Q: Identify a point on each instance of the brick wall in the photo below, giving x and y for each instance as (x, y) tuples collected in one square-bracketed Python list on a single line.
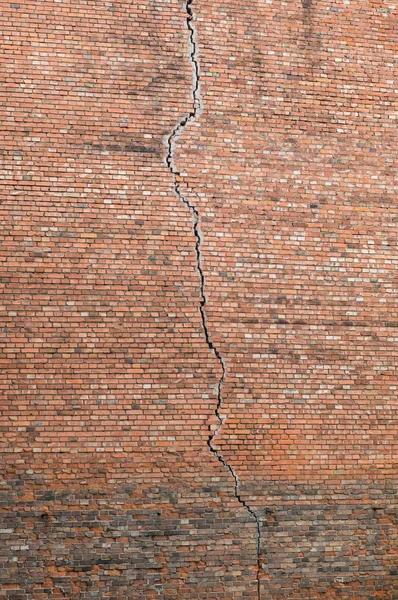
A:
[(199, 300)]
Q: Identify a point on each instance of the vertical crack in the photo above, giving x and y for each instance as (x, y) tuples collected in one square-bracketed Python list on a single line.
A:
[(171, 142)]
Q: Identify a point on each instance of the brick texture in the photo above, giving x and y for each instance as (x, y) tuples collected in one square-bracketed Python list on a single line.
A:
[(199, 300)]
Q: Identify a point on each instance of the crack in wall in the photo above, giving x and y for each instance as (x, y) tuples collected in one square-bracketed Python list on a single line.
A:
[(171, 141)]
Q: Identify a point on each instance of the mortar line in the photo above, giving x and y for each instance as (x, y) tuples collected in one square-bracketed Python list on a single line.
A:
[(196, 218)]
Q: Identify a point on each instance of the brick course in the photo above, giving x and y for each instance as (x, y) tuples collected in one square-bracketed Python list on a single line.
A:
[(199, 354)]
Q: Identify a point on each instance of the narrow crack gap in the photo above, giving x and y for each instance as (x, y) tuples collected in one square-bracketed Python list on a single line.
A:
[(171, 141)]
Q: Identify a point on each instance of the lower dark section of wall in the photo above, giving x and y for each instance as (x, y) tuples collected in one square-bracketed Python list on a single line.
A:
[(330, 551), (194, 541), (127, 542)]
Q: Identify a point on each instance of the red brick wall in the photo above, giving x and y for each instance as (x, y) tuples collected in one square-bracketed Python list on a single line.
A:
[(199, 300)]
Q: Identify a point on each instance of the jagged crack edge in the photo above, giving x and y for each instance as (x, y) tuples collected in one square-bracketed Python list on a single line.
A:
[(171, 140)]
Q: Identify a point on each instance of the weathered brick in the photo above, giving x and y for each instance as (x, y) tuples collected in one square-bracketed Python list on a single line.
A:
[(199, 288)]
